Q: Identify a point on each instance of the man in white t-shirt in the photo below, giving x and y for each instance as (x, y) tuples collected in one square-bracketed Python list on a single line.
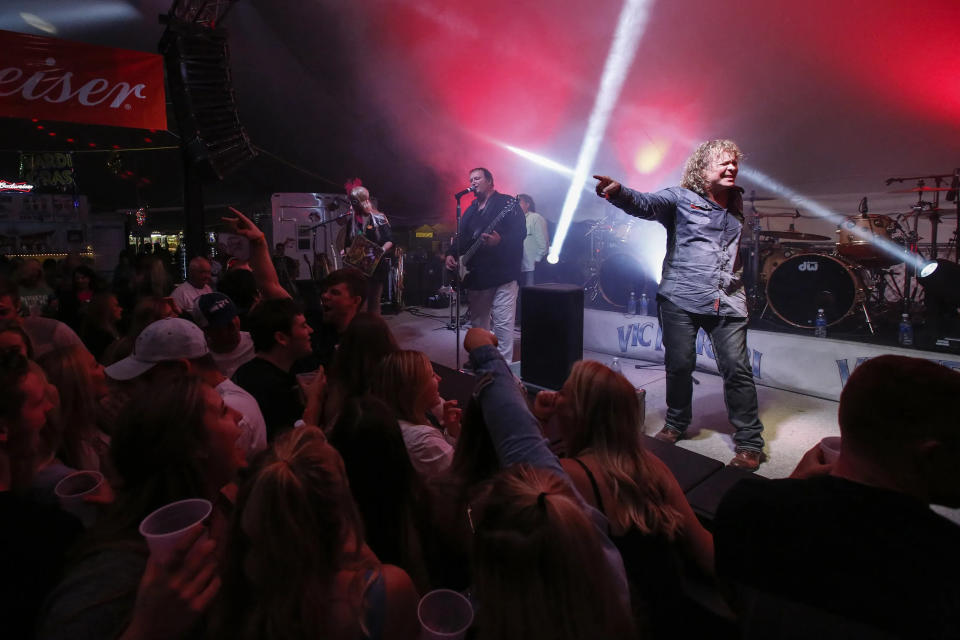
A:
[(199, 274), (216, 314), (174, 346)]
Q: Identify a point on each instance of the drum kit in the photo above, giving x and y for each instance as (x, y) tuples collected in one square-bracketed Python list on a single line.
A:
[(612, 272), (861, 273)]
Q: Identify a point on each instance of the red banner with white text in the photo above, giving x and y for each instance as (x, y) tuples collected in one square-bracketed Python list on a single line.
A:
[(53, 79)]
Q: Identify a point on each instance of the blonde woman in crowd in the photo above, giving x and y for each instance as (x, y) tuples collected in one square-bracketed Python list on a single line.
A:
[(408, 384), (297, 566)]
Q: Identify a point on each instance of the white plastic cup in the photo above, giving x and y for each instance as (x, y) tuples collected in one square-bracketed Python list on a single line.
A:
[(168, 525), (72, 489), (830, 447), (444, 615)]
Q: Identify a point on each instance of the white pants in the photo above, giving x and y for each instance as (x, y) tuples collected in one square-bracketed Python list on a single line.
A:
[(500, 304)]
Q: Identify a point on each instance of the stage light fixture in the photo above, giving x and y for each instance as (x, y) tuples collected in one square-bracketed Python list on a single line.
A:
[(941, 280)]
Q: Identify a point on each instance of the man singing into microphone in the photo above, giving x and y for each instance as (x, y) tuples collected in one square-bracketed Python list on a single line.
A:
[(702, 287), (494, 267)]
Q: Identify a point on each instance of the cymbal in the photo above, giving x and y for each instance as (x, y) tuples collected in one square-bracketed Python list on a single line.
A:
[(793, 235), (921, 190)]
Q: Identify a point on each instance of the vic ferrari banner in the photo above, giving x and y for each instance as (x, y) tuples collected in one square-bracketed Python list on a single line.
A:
[(52, 79), (814, 366)]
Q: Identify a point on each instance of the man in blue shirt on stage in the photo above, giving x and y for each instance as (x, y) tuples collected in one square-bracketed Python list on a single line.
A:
[(702, 287)]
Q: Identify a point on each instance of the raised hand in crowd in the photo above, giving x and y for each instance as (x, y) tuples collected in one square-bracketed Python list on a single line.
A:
[(451, 418), (477, 337), (545, 405), (261, 262), (174, 593), (314, 392)]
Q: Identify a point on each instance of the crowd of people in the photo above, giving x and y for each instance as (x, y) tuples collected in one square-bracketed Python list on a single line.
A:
[(344, 487)]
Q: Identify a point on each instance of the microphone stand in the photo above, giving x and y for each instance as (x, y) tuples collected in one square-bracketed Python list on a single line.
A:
[(456, 321)]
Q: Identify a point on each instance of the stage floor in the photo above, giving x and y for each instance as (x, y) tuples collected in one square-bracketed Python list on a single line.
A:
[(793, 422)]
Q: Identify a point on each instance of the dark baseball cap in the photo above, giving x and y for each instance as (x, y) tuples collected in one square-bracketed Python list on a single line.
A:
[(214, 310)]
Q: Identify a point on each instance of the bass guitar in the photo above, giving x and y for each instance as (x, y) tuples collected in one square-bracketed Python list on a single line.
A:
[(462, 264)]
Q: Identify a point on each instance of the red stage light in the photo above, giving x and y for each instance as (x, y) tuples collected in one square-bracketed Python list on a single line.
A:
[(116, 146), (148, 139), (40, 127), (34, 119), (92, 144), (51, 133), (70, 140)]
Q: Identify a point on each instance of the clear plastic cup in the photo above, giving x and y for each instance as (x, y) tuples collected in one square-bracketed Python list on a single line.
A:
[(306, 379), (72, 489), (830, 447), (165, 527), (444, 615)]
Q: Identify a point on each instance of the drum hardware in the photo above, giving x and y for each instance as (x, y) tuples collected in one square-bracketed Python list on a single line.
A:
[(794, 235), (754, 293), (917, 211), (922, 189)]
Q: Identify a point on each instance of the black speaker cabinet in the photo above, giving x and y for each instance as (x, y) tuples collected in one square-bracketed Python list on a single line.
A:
[(551, 325)]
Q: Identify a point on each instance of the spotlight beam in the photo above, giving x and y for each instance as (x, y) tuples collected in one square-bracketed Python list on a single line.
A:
[(630, 27)]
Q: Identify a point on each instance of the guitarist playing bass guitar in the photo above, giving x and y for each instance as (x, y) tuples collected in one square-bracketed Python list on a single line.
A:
[(491, 247)]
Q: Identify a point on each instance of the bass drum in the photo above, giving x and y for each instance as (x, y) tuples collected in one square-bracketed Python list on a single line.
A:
[(804, 283), (619, 275)]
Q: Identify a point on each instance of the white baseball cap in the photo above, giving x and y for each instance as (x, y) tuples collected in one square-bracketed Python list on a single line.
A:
[(163, 340)]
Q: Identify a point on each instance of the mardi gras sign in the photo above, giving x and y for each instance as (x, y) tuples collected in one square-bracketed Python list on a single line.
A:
[(48, 171)]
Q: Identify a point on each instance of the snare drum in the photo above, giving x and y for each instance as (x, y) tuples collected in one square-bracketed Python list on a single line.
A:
[(856, 240), (803, 283)]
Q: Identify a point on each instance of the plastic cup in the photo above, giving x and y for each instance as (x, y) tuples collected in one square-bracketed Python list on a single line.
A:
[(444, 615), (165, 527), (831, 449), (70, 491), (305, 379)]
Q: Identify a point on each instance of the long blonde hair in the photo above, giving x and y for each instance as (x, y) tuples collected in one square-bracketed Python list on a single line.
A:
[(539, 568), (400, 381), (696, 166), (68, 370), (605, 421), (295, 527)]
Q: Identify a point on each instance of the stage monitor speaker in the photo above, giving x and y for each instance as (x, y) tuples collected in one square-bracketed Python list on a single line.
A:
[(551, 325), (197, 61)]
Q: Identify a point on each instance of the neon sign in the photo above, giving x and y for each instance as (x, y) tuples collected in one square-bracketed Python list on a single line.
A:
[(21, 187)]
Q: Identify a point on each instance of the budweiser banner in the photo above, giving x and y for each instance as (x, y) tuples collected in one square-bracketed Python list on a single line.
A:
[(52, 79)]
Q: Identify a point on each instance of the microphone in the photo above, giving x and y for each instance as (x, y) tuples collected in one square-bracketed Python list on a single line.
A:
[(863, 206), (460, 194)]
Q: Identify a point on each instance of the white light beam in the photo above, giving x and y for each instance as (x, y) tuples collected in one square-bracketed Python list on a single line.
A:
[(630, 27)]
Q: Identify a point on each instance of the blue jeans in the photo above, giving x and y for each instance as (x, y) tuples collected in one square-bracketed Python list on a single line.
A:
[(728, 335)]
